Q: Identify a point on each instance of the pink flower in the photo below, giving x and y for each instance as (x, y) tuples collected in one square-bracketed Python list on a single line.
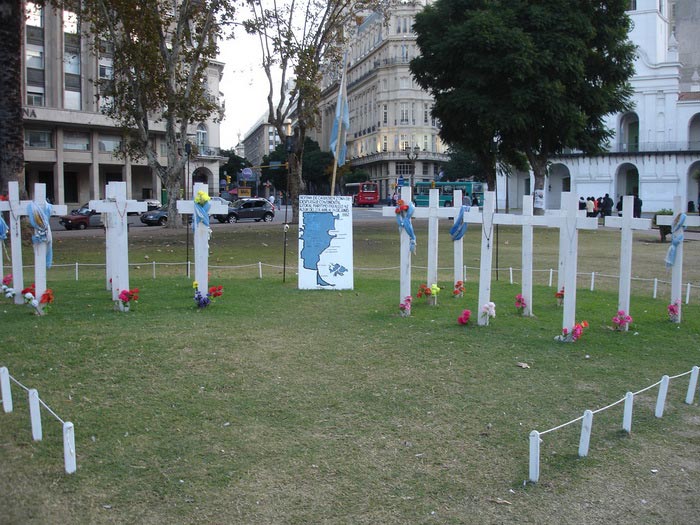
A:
[(464, 318)]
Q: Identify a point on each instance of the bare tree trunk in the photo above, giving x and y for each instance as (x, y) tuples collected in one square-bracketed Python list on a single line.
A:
[(12, 128)]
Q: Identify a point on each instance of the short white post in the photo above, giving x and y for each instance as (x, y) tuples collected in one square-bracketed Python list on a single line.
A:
[(464, 273), (585, 440), (5, 390), (661, 400), (534, 475), (188, 268), (76, 271), (69, 447), (259, 270), (687, 294), (35, 414), (154, 270), (656, 287), (627, 415), (692, 386), (510, 270), (592, 281), (551, 271)]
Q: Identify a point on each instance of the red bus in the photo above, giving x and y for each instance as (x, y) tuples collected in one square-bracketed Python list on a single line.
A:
[(363, 193)]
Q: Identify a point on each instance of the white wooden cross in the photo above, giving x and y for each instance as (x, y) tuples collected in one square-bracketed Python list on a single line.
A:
[(527, 220), (16, 208), (201, 236), (115, 208), (487, 227), (627, 223), (458, 245), (404, 249), (433, 213), (677, 271), (569, 222), (40, 248)]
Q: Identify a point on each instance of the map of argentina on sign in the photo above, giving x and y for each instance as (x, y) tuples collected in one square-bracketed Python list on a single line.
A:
[(325, 243)]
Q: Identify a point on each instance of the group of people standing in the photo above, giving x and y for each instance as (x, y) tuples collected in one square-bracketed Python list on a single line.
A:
[(603, 206)]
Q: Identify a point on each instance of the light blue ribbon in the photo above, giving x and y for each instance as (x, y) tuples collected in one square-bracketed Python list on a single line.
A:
[(677, 230), (404, 222), (459, 228), (3, 229), (39, 220), (201, 214)]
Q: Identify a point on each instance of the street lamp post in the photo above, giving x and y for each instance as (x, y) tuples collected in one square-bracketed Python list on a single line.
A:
[(412, 155)]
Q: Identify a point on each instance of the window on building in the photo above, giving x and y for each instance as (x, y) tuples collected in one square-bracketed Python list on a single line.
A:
[(385, 143), (403, 143), (38, 138), (109, 143), (35, 96), (72, 100), (34, 14), (404, 83), (385, 113), (425, 142), (71, 63), (404, 113), (76, 141), (426, 169), (632, 5), (35, 56), (404, 168), (106, 70), (202, 138), (426, 113), (70, 22)]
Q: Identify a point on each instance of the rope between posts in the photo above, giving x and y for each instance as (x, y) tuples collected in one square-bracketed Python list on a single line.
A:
[(41, 401), (561, 426), (609, 406), (647, 388), (681, 375), (19, 384), (51, 411)]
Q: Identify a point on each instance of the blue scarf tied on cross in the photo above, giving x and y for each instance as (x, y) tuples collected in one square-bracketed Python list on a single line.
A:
[(403, 219), (3, 229), (459, 228), (677, 229), (39, 220), (201, 214)]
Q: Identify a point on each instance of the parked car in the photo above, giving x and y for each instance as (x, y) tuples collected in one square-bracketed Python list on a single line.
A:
[(155, 217), (81, 219), (248, 209)]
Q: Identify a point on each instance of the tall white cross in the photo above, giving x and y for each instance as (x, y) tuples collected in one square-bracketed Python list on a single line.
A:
[(458, 245), (487, 227), (627, 223), (17, 208), (115, 208), (677, 271), (404, 248), (201, 236), (569, 223), (40, 248), (527, 220)]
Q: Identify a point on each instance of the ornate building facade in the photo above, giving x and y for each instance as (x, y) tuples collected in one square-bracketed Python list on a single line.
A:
[(70, 145)]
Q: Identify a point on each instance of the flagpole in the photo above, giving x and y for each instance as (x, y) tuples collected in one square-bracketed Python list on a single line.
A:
[(341, 94)]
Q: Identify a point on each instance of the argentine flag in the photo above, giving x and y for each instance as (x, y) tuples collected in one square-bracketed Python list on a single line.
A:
[(341, 123)]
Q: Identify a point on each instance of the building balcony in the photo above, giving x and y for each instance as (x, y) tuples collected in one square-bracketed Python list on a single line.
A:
[(207, 152), (397, 156)]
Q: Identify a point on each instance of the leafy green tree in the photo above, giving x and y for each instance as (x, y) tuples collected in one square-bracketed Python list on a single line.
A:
[(161, 51), (318, 165), (463, 164), (11, 129), (529, 76), (234, 164), (298, 39)]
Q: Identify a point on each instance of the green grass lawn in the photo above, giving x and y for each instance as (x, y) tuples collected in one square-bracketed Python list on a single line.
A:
[(281, 406)]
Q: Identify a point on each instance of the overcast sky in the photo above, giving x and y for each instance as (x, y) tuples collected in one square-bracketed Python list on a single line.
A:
[(244, 86)]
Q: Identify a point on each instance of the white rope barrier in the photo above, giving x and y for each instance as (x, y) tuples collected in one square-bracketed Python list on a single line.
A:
[(587, 418), (35, 417)]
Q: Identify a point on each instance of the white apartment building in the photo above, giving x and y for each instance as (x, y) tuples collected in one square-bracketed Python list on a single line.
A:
[(389, 113), (69, 143), (655, 150), (260, 140)]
